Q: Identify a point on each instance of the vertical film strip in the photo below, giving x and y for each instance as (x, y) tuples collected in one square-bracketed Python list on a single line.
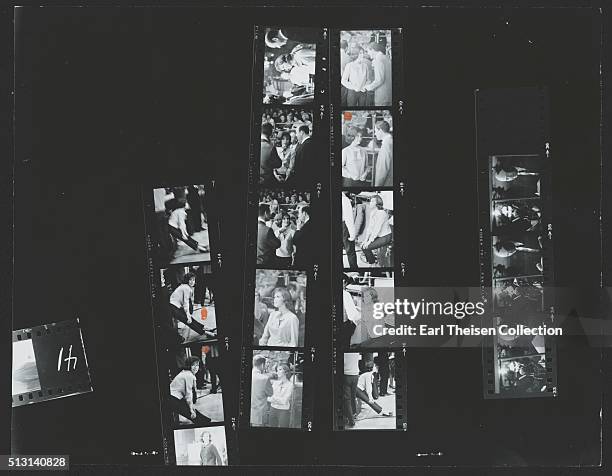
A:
[(182, 239), (286, 227), (49, 362), (516, 242), (368, 364)]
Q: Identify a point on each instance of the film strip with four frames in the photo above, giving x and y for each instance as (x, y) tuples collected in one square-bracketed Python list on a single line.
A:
[(516, 233), (49, 362), (366, 116), (286, 227), (184, 262)]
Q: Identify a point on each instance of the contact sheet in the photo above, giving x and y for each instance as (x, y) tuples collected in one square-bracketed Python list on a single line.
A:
[(286, 226), (184, 265), (514, 163), (367, 108)]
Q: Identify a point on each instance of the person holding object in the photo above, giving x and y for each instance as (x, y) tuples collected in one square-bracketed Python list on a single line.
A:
[(354, 170), (209, 455), (365, 388), (267, 242), (378, 233), (348, 231), (381, 85), (177, 227), (183, 389), (283, 325), (383, 176), (351, 378), (268, 158), (261, 389), (181, 303), (280, 401), (355, 77)]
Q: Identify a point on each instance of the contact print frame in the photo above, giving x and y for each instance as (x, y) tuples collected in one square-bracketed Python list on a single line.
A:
[(366, 124), (184, 264), (285, 264)]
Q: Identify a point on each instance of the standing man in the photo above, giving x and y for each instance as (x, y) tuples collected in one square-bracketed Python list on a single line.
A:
[(261, 389), (304, 239), (348, 231), (381, 85), (304, 154), (267, 242), (344, 60), (383, 176), (351, 377), (355, 77), (268, 159)]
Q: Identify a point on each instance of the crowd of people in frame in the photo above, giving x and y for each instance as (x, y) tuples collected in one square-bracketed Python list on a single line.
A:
[(287, 149), (285, 230)]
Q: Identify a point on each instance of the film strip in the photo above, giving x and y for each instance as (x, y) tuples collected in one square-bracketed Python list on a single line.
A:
[(286, 224), (49, 362), (366, 120), (184, 265), (516, 243)]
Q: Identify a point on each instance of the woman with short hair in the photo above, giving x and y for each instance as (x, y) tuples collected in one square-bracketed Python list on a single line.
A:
[(280, 401), (183, 392)]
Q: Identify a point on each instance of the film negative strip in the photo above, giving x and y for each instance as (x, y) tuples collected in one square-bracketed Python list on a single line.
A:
[(184, 265), (49, 362), (367, 109), (286, 223), (516, 235)]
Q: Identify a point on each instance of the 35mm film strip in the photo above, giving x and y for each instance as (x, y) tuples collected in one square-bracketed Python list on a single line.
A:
[(516, 241), (184, 265), (286, 227), (366, 118), (49, 362)]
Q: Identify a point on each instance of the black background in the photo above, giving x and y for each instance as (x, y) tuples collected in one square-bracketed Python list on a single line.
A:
[(109, 98)]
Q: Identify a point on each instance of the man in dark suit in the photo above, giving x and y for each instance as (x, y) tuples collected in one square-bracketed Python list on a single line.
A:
[(304, 239), (304, 158), (268, 159), (267, 242)]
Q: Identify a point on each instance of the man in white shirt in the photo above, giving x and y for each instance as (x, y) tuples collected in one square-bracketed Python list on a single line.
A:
[(355, 77), (348, 231), (383, 176)]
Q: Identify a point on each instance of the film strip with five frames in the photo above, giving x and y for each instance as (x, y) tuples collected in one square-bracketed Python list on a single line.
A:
[(184, 260), (286, 227), (49, 362), (365, 119), (516, 233)]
